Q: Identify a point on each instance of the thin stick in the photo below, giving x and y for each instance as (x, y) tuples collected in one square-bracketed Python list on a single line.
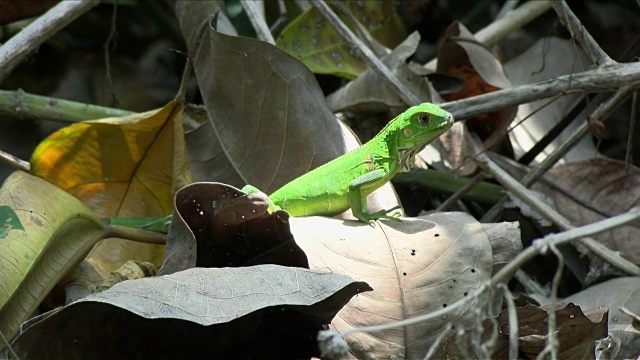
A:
[(610, 78), (14, 162), (580, 34), (632, 121), (22, 105), (366, 55), (513, 321), (30, 38), (257, 20)]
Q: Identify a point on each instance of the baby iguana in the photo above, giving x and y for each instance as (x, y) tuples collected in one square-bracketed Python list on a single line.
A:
[(346, 182)]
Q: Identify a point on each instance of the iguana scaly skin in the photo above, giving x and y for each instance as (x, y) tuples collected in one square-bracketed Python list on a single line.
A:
[(347, 181)]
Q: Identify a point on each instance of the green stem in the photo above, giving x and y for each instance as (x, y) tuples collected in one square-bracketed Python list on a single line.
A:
[(21, 105), (484, 193)]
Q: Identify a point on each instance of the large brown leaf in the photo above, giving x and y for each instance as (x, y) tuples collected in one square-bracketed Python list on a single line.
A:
[(266, 108)]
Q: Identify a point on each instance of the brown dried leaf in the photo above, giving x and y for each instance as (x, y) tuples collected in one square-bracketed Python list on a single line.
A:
[(590, 191), (576, 333), (462, 55)]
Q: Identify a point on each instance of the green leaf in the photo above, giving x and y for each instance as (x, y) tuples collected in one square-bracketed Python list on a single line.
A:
[(57, 233), (312, 40)]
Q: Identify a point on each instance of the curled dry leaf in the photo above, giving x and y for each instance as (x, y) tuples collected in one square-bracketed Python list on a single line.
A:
[(217, 225), (197, 313)]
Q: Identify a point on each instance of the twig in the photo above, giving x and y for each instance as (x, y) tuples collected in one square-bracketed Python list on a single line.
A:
[(436, 342), (552, 338), (513, 321), (610, 78), (4, 343), (14, 162), (257, 20), (550, 214), (30, 38), (632, 121), (601, 113), (22, 105), (365, 54), (580, 34), (626, 311)]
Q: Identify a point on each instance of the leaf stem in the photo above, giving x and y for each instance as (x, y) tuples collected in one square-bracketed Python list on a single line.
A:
[(138, 235)]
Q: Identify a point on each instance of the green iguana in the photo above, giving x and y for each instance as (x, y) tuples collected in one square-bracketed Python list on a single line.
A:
[(346, 182)]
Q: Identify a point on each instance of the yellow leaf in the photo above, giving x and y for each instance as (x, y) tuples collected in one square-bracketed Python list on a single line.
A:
[(119, 167)]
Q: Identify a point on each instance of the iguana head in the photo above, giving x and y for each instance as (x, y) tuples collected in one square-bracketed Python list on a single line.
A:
[(417, 127)]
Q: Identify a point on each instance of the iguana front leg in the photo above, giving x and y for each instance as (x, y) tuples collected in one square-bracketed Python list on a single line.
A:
[(250, 189), (358, 200)]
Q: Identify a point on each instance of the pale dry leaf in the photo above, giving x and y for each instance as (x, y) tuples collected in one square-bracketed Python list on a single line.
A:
[(415, 266)]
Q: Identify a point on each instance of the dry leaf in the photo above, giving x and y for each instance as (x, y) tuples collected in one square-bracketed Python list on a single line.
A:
[(576, 333), (119, 167), (414, 267), (215, 313), (592, 190)]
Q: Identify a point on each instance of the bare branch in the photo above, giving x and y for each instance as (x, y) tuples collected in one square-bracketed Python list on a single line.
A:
[(609, 78), (580, 34), (258, 21), (26, 41)]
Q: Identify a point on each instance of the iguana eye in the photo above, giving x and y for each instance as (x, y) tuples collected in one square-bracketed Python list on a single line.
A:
[(423, 118)]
